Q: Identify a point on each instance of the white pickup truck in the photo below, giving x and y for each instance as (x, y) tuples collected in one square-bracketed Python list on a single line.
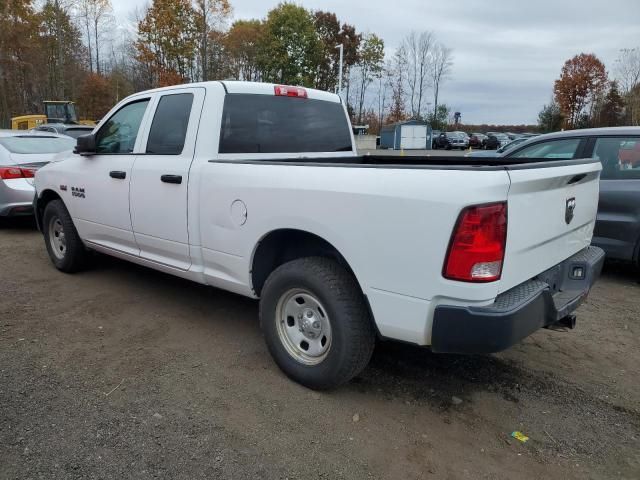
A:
[(258, 189)]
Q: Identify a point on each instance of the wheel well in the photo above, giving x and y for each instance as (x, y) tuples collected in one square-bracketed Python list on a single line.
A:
[(44, 198), (281, 246)]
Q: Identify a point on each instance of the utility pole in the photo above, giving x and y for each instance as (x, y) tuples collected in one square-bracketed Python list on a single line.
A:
[(339, 86)]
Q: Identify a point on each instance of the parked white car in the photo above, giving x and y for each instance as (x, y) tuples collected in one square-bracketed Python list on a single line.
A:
[(257, 189)]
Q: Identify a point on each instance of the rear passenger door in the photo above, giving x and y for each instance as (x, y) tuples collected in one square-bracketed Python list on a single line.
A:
[(160, 178), (618, 225)]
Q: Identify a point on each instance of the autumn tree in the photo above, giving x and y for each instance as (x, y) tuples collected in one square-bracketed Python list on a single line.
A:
[(582, 80), (60, 41), (290, 51), (370, 65), (167, 42), (328, 29), (350, 40), (331, 34), (242, 45), (95, 96), (550, 118), (210, 16), (18, 54)]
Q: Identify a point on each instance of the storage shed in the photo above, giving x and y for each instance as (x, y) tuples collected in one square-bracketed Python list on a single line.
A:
[(409, 135)]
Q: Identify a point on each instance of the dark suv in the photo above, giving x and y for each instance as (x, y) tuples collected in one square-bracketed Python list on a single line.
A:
[(449, 140), (617, 228)]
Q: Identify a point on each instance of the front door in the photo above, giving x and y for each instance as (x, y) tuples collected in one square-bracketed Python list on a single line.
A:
[(98, 185), (160, 178)]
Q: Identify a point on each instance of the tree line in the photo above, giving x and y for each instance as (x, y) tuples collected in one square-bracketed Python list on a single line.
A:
[(586, 96), (74, 50)]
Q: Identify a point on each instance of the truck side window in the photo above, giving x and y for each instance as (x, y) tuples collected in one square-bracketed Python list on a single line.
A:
[(170, 123), (564, 149), (620, 157), (119, 133)]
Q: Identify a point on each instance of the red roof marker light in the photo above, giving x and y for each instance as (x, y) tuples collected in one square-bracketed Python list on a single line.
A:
[(287, 91)]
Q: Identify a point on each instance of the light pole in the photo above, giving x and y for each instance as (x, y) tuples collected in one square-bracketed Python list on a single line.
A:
[(339, 86)]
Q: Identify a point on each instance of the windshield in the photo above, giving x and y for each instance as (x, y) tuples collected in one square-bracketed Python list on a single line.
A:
[(37, 144)]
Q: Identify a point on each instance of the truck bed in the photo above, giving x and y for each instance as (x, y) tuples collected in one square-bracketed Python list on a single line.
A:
[(426, 161)]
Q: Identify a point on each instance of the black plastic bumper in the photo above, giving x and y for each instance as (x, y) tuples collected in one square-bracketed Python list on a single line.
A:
[(517, 313)]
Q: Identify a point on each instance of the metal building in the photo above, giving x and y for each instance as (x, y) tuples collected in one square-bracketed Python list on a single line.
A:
[(409, 135)]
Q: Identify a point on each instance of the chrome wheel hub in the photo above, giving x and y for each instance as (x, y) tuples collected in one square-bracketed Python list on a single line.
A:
[(303, 326)]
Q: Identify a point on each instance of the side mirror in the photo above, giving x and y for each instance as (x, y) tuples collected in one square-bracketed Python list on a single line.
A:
[(85, 145)]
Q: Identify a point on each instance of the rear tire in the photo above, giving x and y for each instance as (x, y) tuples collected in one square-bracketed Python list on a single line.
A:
[(66, 250), (316, 322)]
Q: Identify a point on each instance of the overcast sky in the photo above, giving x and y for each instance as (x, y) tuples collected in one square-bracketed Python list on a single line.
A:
[(507, 53)]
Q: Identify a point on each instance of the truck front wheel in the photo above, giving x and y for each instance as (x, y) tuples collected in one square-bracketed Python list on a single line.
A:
[(66, 250), (316, 323)]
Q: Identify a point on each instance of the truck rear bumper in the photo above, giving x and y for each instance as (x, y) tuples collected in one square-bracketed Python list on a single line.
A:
[(517, 313)]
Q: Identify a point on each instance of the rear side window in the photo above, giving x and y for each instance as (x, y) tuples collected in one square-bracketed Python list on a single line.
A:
[(553, 149), (274, 124), (170, 123), (620, 157)]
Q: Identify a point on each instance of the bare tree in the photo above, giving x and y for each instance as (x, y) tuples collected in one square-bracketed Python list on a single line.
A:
[(627, 69), (96, 19), (211, 15), (384, 83), (397, 68), (370, 65), (442, 62), (418, 48)]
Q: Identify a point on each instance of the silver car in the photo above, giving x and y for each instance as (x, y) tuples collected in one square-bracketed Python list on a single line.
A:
[(71, 130), (21, 154)]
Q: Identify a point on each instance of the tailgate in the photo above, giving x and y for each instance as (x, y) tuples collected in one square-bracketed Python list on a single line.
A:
[(552, 210)]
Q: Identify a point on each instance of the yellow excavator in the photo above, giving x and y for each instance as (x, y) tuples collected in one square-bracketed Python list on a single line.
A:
[(55, 111)]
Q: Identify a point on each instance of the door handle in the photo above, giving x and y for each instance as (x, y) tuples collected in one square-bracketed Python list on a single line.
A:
[(118, 174), (171, 178)]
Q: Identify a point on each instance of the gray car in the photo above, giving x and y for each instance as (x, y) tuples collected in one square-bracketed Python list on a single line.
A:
[(617, 229), (21, 154)]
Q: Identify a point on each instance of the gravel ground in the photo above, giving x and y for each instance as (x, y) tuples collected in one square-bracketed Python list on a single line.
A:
[(123, 372)]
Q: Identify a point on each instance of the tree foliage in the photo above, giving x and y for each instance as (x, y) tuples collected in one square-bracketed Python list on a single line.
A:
[(167, 40), (242, 45), (611, 108), (582, 80), (95, 96), (291, 49), (439, 119), (550, 118)]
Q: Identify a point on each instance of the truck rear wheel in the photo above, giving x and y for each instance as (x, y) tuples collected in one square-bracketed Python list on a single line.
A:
[(316, 323), (66, 250)]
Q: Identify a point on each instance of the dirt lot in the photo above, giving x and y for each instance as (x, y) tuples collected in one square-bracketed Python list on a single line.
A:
[(122, 372)]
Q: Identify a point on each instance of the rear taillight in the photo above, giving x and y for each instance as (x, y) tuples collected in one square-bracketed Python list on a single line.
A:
[(287, 91), (8, 173), (476, 251)]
